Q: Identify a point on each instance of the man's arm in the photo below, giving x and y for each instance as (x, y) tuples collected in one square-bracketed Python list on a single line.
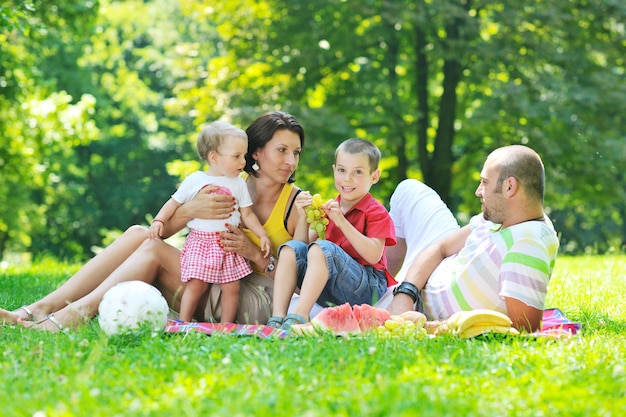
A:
[(395, 256), (523, 316), (424, 265)]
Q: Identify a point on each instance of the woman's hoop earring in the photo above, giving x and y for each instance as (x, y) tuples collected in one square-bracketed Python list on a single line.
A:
[(255, 166)]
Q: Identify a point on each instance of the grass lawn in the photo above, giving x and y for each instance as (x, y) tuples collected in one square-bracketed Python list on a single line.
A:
[(83, 373)]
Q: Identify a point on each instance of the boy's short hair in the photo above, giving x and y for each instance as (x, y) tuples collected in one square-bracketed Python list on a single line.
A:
[(213, 136), (361, 146)]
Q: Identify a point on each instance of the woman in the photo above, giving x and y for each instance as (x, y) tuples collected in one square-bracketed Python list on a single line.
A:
[(275, 142)]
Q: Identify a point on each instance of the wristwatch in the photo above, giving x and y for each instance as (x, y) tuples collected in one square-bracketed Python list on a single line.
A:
[(408, 289), (271, 266)]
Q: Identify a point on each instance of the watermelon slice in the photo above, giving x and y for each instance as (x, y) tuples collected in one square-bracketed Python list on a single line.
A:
[(368, 317), (306, 329), (346, 320), (340, 320)]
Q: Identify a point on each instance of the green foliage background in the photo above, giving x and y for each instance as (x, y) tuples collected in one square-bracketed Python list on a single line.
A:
[(101, 101)]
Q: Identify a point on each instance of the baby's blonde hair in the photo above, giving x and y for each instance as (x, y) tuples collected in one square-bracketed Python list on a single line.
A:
[(213, 136)]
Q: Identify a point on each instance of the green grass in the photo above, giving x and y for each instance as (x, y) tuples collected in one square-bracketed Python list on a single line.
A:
[(85, 374)]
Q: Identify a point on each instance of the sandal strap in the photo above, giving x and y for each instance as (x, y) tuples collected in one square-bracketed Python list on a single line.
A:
[(55, 321), (293, 318), (28, 311), (275, 321)]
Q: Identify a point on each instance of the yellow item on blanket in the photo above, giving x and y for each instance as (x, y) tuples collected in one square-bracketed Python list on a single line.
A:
[(472, 323)]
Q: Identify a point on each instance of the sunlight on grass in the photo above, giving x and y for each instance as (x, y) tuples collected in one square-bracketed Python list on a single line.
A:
[(590, 289), (85, 373)]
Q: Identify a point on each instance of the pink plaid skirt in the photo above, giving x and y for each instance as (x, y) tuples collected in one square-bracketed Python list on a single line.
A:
[(202, 258)]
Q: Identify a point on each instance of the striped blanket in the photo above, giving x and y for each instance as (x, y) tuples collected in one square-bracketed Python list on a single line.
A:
[(554, 324)]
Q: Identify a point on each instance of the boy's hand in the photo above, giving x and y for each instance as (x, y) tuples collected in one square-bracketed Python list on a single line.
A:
[(333, 212)]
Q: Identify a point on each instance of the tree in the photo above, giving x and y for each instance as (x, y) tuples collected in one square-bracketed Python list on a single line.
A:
[(440, 84), (435, 84), (40, 127)]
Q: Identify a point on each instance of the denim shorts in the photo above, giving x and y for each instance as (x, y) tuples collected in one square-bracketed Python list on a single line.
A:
[(348, 281)]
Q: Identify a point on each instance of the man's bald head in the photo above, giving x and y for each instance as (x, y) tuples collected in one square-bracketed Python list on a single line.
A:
[(524, 164)]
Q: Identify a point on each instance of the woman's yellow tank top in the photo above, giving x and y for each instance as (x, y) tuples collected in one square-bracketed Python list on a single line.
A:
[(275, 225)]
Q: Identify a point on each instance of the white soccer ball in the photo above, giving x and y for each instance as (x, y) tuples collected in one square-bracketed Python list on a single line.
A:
[(131, 305)]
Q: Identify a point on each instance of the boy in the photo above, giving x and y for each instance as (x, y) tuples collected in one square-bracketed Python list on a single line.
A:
[(350, 265)]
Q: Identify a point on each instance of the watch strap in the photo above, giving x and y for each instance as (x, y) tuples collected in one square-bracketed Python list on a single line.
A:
[(271, 265), (408, 289)]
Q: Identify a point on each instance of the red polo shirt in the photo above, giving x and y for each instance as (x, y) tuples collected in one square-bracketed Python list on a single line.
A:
[(371, 219)]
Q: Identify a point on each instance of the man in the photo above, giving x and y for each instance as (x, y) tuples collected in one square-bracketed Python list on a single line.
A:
[(502, 260)]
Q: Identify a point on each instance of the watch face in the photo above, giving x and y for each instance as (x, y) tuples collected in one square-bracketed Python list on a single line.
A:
[(271, 265)]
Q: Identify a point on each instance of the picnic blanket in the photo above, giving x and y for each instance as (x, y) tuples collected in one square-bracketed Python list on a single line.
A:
[(554, 323), (232, 329)]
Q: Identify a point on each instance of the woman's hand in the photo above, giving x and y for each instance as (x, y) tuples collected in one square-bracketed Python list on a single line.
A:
[(234, 240), (303, 200), (204, 206)]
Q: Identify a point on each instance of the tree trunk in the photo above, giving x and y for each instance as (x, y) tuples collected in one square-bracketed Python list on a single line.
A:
[(421, 87)]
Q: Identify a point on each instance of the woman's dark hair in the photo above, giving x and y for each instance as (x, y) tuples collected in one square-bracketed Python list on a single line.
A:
[(262, 130)]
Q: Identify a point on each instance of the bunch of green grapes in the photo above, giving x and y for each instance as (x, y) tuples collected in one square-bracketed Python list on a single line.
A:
[(399, 327), (316, 217)]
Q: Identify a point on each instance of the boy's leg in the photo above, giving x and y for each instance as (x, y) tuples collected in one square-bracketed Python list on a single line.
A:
[(314, 281), (194, 290), (230, 301), (341, 280), (292, 265), (285, 280)]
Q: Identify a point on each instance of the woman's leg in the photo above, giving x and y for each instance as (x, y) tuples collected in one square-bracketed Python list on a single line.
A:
[(90, 276), (194, 290), (154, 262), (230, 301), (255, 301), (7, 317)]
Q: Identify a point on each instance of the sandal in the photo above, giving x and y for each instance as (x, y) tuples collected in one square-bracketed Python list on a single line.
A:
[(29, 313), (292, 319), (275, 322), (53, 320)]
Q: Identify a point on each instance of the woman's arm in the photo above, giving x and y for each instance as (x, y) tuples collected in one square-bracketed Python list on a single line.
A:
[(251, 221), (302, 201), (234, 240), (204, 205)]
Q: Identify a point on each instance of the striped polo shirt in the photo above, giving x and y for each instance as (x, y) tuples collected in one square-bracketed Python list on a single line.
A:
[(515, 262)]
